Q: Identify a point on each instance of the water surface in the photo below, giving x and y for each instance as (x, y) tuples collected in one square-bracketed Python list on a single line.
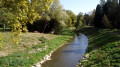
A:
[(70, 54)]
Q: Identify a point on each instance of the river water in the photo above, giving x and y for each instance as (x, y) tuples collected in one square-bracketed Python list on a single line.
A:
[(70, 54)]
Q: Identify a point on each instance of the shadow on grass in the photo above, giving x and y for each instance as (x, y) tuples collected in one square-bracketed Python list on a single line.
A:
[(99, 37)]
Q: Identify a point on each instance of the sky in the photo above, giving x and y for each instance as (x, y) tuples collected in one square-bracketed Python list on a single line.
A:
[(77, 6)]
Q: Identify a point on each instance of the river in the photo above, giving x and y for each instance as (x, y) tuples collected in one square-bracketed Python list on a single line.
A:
[(70, 54)]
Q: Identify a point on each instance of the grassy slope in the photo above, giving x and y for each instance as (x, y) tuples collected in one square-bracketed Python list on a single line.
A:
[(28, 40), (25, 55), (104, 48)]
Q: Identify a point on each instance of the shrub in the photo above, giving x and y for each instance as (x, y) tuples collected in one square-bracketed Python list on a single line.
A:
[(43, 39)]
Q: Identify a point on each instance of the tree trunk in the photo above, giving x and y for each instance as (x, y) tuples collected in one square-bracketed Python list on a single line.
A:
[(3, 24), (44, 27)]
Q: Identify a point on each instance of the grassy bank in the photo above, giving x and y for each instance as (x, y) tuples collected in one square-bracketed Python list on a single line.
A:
[(28, 53), (103, 49), (28, 40)]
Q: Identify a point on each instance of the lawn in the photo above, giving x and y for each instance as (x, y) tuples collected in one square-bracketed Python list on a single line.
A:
[(30, 50)]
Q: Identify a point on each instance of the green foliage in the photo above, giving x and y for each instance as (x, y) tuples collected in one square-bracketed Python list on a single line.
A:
[(53, 20), (67, 31), (107, 14), (106, 22), (80, 20), (107, 56), (21, 12), (59, 17), (43, 39), (72, 18), (0, 41), (58, 27), (91, 17), (86, 19), (103, 48), (102, 2), (98, 17)]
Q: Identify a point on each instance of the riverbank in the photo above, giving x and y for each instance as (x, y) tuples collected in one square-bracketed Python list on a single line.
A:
[(30, 54), (103, 49)]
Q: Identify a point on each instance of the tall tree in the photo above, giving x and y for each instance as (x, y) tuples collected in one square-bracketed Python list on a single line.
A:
[(80, 20), (109, 1), (72, 17), (98, 17), (106, 22), (102, 2), (59, 16), (2, 16), (91, 17), (87, 19), (53, 20), (22, 12)]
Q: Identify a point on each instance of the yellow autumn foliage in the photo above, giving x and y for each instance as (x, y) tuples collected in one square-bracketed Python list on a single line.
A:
[(21, 12)]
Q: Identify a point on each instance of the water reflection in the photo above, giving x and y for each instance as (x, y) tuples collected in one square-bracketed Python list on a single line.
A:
[(70, 54)]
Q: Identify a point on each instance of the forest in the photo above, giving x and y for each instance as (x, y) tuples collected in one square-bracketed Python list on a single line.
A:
[(37, 27)]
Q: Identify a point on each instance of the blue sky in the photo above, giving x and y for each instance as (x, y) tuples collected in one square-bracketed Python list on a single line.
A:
[(77, 6)]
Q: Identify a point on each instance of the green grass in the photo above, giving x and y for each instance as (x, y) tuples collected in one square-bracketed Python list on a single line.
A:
[(104, 47), (43, 39), (27, 41), (27, 59)]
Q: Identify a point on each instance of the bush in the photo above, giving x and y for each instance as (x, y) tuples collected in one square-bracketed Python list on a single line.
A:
[(67, 31), (43, 39)]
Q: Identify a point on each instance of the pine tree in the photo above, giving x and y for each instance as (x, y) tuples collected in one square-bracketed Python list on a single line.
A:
[(102, 2), (109, 1), (98, 17)]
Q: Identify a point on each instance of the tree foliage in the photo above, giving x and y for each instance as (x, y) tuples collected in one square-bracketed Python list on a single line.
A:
[(72, 18), (102, 2), (80, 20), (21, 12), (98, 16), (107, 12), (53, 20), (91, 18), (59, 16)]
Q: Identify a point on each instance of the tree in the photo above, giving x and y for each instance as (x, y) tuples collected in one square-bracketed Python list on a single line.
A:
[(109, 1), (117, 19), (98, 17), (58, 16), (86, 18), (23, 12), (46, 19), (53, 20), (80, 20), (102, 2), (106, 22), (110, 14), (72, 18), (91, 17), (57, 12), (119, 2), (2, 16)]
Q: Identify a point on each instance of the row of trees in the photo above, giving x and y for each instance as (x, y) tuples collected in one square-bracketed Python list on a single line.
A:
[(85, 19), (40, 15), (54, 20), (35, 15), (107, 14)]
